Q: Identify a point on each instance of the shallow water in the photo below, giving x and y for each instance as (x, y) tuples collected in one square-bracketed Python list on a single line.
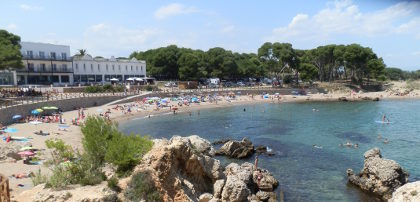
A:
[(290, 129)]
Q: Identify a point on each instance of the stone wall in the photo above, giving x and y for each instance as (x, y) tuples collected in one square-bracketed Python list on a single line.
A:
[(6, 114)]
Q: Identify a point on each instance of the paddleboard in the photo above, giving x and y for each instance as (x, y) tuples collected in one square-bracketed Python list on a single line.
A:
[(383, 122)]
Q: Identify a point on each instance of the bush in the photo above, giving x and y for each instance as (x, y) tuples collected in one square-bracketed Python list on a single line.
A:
[(113, 184), (93, 89), (126, 151), (38, 178), (149, 88), (141, 187), (86, 171), (60, 177), (97, 132), (108, 87), (61, 151)]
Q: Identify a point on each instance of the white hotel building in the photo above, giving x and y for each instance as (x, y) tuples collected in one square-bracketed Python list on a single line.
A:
[(101, 70), (45, 64)]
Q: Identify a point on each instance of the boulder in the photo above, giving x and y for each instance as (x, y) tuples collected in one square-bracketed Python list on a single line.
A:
[(218, 188), (264, 180), (181, 168), (343, 99), (9, 151), (408, 192), (99, 193), (379, 176), (235, 190), (375, 99), (222, 141), (206, 197), (237, 149)]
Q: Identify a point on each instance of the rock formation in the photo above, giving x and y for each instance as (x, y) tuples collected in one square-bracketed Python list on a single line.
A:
[(237, 149), (408, 192), (182, 173), (99, 193), (379, 176)]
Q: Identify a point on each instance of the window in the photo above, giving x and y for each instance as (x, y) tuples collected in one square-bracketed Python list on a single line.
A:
[(98, 78), (84, 67), (31, 67), (65, 79), (137, 68), (91, 67), (99, 68), (64, 67), (41, 54), (119, 68), (54, 67), (55, 79), (141, 68), (52, 54), (42, 67), (77, 67), (106, 67), (126, 68), (131, 67), (29, 54), (113, 69), (64, 56)]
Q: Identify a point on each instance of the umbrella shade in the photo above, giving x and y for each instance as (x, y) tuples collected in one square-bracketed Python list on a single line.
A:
[(130, 79), (17, 117), (49, 108), (26, 148), (26, 153), (114, 79), (10, 130)]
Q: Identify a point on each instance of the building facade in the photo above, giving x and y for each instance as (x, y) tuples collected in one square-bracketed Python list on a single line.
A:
[(101, 70), (45, 64)]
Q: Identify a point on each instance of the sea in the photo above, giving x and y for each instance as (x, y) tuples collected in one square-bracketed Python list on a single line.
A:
[(305, 172)]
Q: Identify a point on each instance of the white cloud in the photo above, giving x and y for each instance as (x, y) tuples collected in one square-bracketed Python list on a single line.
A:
[(172, 10), (344, 17), (27, 7), (227, 29), (11, 26)]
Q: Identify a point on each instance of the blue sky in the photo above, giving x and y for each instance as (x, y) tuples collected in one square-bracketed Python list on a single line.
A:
[(106, 28)]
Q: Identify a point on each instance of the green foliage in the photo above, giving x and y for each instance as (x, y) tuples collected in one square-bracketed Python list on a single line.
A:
[(108, 87), (141, 187), (149, 88), (113, 184), (10, 56), (105, 88), (308, 72), (287, 79), (60, 177), (97, 132), (126, 151), (39, 178), (61, 151), (86, 171)]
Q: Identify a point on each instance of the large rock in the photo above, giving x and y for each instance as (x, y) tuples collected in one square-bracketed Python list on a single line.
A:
[(264, 180), (182, 169), (97, 193), (408, 192), (379, 176), (9, 151), (237, 149), (235, 190)]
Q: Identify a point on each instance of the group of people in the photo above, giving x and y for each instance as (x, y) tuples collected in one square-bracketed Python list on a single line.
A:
[(4, 93)]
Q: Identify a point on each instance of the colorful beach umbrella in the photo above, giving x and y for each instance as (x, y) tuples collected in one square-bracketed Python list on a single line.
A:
[(26, 153)]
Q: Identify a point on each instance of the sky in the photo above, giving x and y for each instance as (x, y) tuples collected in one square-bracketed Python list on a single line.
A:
[(117, 28)]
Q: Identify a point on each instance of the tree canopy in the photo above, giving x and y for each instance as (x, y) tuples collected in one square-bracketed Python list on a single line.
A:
[(10, 56), (323, 63)]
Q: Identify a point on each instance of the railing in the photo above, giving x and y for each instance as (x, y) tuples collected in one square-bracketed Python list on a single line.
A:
[(46, 70), (25, 100), (4, 189), (49, 58)]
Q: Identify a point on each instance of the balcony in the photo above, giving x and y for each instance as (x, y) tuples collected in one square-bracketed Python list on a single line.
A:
[(46, 70), (46, 58)]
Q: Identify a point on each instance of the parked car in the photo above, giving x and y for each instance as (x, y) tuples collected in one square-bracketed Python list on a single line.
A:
[(171, 84)]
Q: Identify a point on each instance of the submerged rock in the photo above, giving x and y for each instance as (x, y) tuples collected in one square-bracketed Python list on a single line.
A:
[(408, 192), (237, 149), (344, 99), (379, 176)]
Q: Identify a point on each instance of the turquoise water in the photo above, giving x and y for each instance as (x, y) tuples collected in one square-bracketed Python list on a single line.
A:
[(290, 129)]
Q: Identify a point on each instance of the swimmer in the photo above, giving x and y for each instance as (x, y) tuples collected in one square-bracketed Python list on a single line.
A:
[(317, 147), (386, 141), (148, 116), (244, 110), (379, 137), (356, 146), (340, 145)]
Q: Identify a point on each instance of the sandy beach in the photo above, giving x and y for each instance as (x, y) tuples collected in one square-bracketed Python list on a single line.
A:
[(73, 134)]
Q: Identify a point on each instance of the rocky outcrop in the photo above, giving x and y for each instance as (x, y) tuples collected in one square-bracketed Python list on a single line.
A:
[(343, 99), (182, 168), (9, 151), (97, 193), (379, 176), (184, 171), (408, 192), (237, 149)]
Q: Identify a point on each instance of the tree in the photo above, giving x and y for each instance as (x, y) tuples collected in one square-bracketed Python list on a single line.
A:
[(82, 52), (10, 56)]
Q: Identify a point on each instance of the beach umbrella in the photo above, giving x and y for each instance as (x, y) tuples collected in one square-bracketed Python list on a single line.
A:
[(130, 79), (10, 130), (26, 153), (26, 148), (114, 79), (17, 117)]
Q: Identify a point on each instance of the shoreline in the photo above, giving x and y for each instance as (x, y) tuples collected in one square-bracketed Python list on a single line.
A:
[(73, 135)]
